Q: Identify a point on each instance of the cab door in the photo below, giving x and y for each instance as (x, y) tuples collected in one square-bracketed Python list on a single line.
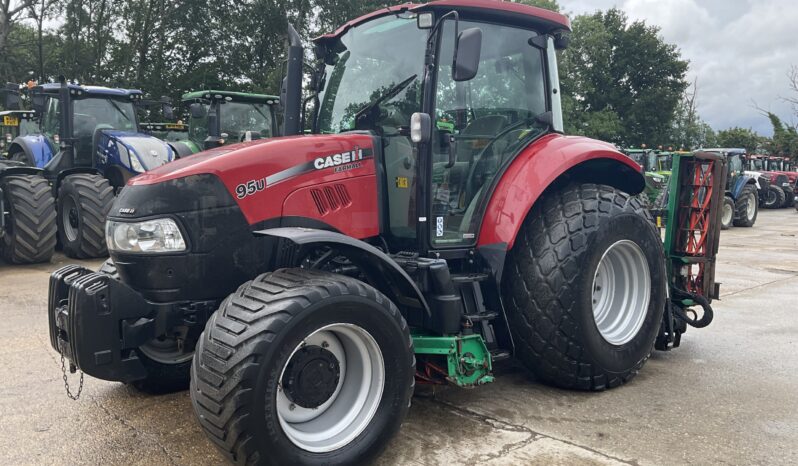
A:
[(481, 125)]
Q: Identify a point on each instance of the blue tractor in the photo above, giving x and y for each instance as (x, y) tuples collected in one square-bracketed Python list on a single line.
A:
[(88, 146)]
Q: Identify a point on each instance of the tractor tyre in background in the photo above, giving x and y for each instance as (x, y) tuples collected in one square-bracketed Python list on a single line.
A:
[(167, 363), (83, 204), (727, 215), (746, 207), (775, 198), (303, 367), (584, 287), (789, 196), (30, 226)]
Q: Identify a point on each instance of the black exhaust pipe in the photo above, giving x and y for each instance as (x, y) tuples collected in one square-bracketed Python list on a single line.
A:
[(291, 90)]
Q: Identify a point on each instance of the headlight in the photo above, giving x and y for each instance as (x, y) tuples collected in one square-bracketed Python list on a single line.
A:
[(135, 163), (155, 236)]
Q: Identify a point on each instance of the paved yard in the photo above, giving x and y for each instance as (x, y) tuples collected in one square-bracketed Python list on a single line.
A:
[(728, 395)]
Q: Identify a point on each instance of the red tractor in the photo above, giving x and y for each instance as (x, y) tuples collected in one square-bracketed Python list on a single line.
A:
[(781, 180), (436, 221)]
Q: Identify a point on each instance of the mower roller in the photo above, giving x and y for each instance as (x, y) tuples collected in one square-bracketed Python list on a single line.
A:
[(303, 284)]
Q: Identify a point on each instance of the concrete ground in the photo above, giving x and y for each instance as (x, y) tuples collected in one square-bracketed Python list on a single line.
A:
[(729, 395)]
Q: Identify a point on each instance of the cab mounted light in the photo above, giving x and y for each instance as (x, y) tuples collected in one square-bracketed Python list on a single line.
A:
[(420, 127)]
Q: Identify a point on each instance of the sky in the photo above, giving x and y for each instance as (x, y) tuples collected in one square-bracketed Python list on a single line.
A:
[(740, 52)]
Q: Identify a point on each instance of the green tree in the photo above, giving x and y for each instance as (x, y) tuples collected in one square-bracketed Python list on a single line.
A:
[(739, 138), (785, 138), (620, 80)]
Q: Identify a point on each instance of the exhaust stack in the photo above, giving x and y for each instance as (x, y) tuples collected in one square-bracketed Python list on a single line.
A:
[(291, 89)]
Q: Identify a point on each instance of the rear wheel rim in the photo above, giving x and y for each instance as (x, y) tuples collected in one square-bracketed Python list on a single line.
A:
[(621, 292), (728, 213), (771, 197), (70, 218), (751, 207), (355, 397)]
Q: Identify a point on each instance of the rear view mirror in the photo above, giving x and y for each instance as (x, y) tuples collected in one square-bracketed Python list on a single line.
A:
[(467, 50), (196, 110), (168, 111)]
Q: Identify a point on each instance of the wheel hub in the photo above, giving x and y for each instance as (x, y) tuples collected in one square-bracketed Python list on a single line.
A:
[(311, 376)]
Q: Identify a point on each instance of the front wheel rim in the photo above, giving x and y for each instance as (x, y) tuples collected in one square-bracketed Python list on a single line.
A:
[(728, 213), (357, 393), (621, 292), (751, 208), (70, 218)]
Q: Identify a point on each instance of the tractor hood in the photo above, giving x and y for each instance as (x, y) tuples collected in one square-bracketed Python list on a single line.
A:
[(260, 175), (138, 151)]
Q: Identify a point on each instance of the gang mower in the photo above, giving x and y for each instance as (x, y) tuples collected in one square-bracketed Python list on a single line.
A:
[(304, 284)]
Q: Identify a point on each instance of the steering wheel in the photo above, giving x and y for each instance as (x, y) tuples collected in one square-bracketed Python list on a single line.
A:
[(470, 188)]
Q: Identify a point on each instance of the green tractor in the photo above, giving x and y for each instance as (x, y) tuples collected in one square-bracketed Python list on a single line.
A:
[(218, 118), (655, 181), (169, 132)]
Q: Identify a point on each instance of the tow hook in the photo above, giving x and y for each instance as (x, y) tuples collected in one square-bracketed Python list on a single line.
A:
[(72, 370)]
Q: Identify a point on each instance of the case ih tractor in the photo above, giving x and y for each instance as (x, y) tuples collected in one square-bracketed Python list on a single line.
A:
[(225, 117), (305, 283), (776, 187), (88, 147)]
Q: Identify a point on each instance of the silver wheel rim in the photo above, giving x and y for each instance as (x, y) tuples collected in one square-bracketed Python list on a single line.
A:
[(621, 292), (351, 407), (728, 213), (751, 208)]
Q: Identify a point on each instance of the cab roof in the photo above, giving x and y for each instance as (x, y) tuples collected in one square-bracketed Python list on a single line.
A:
[(234, 96), (52, 88), (19, 113), (540, 19)]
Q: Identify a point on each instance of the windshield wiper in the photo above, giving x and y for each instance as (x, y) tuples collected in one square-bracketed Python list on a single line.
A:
[(389, 94), (119, 109)]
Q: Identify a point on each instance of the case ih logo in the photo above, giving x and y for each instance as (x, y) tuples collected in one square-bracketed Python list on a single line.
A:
[(339, 159), (342, 162)]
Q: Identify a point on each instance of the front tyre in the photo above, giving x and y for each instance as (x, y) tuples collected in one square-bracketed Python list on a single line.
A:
[(746, 207), (83, 204), (585, 287), (303, 367), (775, 198), (727, 216)]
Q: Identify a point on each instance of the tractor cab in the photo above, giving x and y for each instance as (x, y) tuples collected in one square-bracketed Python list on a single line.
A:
[(15, 123), (89, 127), (224, 117)]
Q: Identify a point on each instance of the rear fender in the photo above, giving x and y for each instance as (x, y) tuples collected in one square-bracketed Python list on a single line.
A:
[(549, 162), (381, 271)]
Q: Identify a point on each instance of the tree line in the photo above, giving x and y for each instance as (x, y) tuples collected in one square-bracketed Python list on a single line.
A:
[(621, 81)]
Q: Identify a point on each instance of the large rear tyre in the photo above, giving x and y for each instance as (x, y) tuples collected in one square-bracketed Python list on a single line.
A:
[(727, 216), (789, 196), (303, 367), (775, 198), (167, 359), (585, 288), (746, 207), (83, 204), (30, 227)]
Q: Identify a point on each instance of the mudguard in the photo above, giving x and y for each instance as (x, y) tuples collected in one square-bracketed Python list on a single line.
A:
[(740, 183), (548, 159), (35, 146), (382, 271)]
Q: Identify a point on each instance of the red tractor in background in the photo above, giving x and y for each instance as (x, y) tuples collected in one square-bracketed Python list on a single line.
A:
[(436, 221), (782, 180)]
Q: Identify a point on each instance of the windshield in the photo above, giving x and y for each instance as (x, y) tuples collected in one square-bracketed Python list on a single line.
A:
[(735, 163), (757, 164), (93, 113), (371, 61), (239, 117), (665, 163)]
